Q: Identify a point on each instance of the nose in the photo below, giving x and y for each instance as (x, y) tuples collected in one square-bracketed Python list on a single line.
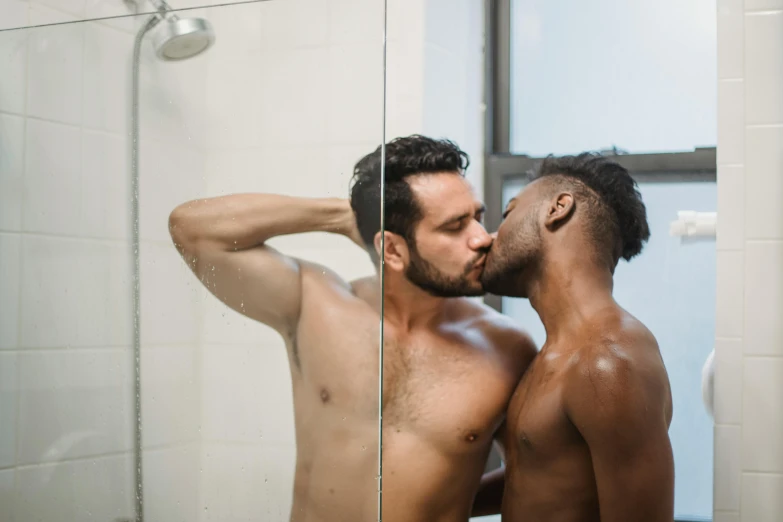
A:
[(481, 240)]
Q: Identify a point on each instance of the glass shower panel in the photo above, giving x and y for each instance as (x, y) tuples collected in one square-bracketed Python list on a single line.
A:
[(66, 360), (166, 404)]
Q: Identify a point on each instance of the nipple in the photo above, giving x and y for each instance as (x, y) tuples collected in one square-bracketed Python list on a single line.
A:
[(324, 395)]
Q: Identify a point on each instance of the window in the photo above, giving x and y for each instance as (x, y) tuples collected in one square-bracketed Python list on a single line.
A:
[(611, 73)]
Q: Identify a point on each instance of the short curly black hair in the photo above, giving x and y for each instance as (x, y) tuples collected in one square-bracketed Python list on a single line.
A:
[(407, 156), (616, 213)]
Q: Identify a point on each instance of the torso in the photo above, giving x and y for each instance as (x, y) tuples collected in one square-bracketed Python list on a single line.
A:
[(549, 472), (445, 393)]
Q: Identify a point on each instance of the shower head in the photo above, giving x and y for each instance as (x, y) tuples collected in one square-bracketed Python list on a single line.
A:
[(181, 38)]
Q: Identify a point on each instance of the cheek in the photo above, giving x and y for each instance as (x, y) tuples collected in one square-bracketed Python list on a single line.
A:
[(446, 253)]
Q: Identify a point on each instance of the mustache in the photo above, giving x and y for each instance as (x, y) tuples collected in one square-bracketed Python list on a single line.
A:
[(481, 257)]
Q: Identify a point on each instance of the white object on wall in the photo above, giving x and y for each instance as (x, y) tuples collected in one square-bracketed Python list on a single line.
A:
[(707, 384), (690, 223)]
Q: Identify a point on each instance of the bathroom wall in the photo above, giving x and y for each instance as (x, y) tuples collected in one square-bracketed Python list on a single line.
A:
[(749, 336)]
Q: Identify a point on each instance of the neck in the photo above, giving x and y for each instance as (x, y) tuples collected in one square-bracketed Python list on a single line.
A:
[(406, 306), (568, 290)]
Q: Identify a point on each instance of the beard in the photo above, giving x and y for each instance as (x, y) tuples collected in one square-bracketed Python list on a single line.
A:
[(429, 278), (510, 264)]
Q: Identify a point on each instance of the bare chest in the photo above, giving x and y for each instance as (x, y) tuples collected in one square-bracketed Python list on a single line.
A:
[(451, 394), (538, 427), (335, 361)]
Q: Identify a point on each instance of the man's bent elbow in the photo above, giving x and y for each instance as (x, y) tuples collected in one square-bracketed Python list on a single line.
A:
[(181, 229)]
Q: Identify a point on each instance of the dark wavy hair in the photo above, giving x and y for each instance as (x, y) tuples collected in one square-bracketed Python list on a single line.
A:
[(617, 217), (405, 157)]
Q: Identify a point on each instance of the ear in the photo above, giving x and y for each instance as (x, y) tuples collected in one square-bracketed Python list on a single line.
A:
[(560, 210), (395, 250)]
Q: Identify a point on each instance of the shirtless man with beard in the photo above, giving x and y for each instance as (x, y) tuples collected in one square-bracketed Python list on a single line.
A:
[(586, 437), (450, 364)]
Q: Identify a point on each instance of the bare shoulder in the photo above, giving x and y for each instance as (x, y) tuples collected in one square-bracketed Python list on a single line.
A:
[(319, 276), (503, 334), (616, 373)]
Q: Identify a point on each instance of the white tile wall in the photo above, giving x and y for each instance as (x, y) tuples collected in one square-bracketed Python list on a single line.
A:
[(233, 108), (763, 298), (92, 489), (728, 381), (341, 160), (52, 178), (12, 143), (731, 197), (764, 182), (726, 516), (55, 67), (343, 28), (105, 185), (74, 404), (169, 298), (731, 39), (171, 477), (762, 405), (761, 498), (13, 61), (291, 24), (750, 241), (106, 78), (169, 174), (727, 473), (10, 266), (729, 294), (247, 394), (355, 90), (74, 7), (441, 68), (7, 479), (405, 20), (222, 325), (731, 118), (14, 14), (252, 482), (74, 293), (764, 67), (8, 401), (170, 395), (293, 102)]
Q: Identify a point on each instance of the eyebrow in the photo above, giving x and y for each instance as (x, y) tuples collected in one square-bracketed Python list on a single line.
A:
[(462, 216)]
